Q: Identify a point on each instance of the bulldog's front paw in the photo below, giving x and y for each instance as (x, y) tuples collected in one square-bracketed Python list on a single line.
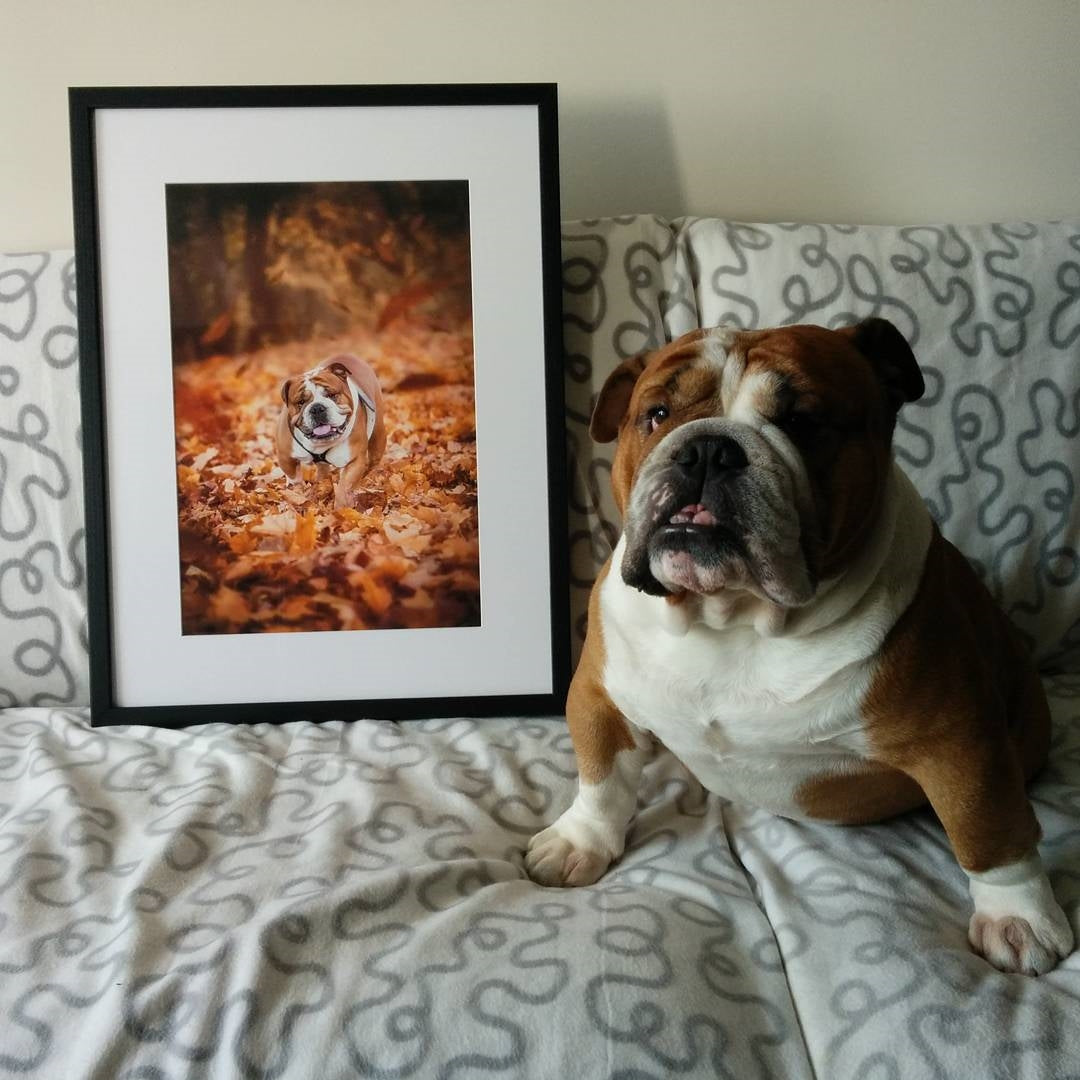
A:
[(570, 852), (1018, 926), (1019, 945)]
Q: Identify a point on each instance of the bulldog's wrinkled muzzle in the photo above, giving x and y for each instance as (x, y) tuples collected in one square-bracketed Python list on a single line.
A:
[(714, 507)]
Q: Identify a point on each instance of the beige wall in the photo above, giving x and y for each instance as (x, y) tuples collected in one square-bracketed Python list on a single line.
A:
[(856, 110)]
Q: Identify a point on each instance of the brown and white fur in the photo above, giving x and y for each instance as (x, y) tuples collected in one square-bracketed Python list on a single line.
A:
[(332, 415), (782, 613)]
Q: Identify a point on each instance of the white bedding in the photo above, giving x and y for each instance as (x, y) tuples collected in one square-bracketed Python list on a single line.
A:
[(349, 900)]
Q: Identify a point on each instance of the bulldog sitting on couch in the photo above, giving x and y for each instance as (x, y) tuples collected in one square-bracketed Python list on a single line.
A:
[(332, 415), (782, 613)]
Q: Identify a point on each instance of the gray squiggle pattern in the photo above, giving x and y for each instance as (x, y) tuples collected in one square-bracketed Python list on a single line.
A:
[(871, 923), (881, 975), (43, 658), (348, 900), (993, 313), (626, 289)]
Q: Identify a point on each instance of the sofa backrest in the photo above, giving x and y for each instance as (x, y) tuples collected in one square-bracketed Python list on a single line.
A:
[(993, 313), (43, 659)]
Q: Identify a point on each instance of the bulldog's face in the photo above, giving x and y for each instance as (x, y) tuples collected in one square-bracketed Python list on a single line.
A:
[(753, 461), (320, 404)]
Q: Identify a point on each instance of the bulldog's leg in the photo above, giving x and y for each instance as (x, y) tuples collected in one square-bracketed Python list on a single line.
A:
[(348, 481), (976, 787), (610, 752)]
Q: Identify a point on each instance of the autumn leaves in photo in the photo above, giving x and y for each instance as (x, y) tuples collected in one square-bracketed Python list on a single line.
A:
[(265, 281)]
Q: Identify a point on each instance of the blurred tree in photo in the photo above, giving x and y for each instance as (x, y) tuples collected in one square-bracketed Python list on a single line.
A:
[(252, 265)]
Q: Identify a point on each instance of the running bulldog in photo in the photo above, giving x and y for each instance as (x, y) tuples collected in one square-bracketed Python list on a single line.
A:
[(782, 613), (332, 415)]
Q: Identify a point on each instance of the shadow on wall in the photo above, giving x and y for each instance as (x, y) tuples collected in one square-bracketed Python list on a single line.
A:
[(619, 149), (620, 157)]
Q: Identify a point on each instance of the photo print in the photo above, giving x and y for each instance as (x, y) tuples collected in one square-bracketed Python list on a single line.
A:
[(323, 400)]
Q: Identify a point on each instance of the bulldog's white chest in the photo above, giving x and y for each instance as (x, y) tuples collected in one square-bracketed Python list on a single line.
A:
[(338, 455), (752, 716)]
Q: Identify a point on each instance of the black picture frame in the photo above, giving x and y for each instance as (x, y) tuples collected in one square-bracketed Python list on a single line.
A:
[(107, 289)]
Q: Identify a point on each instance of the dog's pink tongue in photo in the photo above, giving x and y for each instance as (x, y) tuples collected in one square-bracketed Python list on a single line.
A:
[(321, 430)]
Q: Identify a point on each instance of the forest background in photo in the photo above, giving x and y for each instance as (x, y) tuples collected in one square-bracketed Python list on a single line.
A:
[(266, 281)]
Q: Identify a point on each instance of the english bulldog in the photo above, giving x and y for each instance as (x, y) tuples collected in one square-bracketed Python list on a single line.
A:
[(782, 613), (332, 415)]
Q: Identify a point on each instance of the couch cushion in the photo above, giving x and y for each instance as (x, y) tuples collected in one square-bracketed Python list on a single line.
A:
[(42, 593), (240, 895), (348, 900), (626, 289), (993, 313), (872, 925)]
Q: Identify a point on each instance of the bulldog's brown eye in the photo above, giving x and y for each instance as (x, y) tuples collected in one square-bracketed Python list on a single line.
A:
[(798, 422), (655, 415)]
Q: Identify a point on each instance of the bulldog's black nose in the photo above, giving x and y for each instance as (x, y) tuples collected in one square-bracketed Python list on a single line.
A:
[(318, 413), (711, 453)]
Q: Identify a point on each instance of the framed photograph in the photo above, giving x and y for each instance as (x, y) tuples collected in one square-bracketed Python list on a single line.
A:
[(320, 345)]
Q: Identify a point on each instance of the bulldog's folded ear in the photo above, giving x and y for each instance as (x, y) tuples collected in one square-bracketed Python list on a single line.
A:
[(285, 390), (340, 370), (888, 350), (613, 399)]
